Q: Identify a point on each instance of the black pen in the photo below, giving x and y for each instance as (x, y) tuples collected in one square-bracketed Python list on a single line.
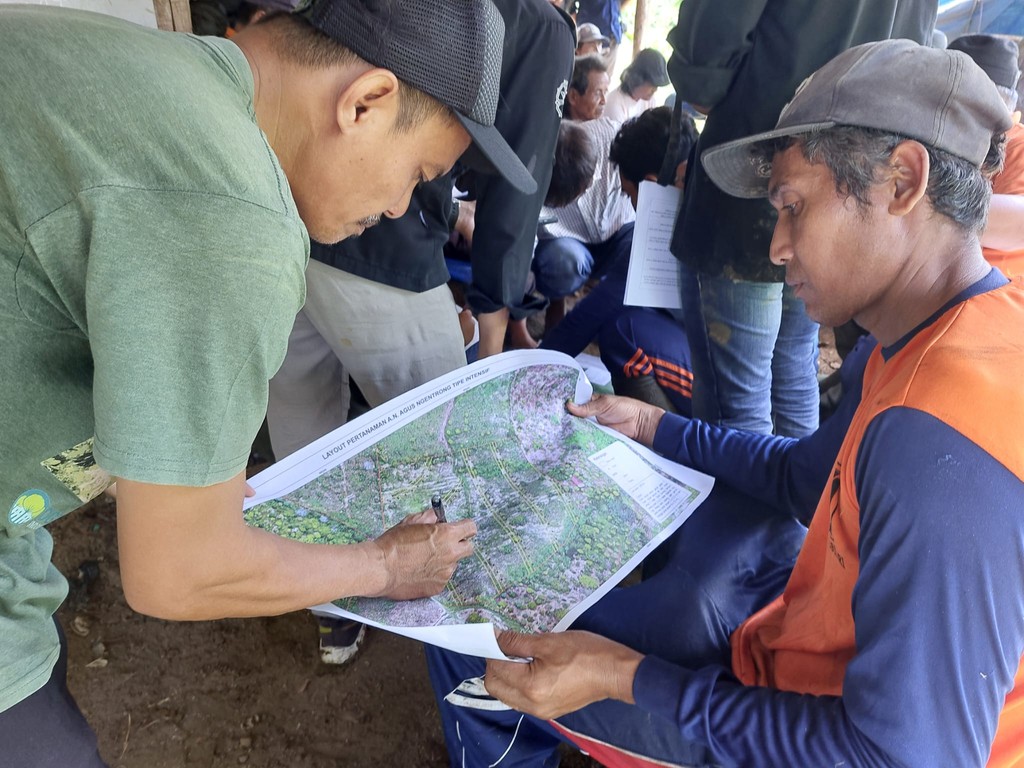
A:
[(438, 506)]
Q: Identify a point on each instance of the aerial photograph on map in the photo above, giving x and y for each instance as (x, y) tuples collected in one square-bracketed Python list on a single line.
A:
[(553, 524)]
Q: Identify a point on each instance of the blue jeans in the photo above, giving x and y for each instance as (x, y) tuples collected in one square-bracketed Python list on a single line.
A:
[(599, 308), (754, 355), (562, 264)]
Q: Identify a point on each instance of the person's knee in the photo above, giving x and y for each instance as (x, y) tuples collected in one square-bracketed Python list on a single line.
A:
[(561, 269)]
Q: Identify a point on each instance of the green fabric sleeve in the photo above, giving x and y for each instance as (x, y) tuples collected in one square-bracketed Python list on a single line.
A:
[(190, 300)]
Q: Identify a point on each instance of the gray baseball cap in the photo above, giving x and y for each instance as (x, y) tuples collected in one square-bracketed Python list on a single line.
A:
[(449, 49), (589, 33), (938, 97)]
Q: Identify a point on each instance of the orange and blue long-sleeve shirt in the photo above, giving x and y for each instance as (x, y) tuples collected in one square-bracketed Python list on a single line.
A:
[(899, 637)]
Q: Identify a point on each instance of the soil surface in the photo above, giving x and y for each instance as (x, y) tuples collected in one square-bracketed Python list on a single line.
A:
[(236, 692), (239, 692)]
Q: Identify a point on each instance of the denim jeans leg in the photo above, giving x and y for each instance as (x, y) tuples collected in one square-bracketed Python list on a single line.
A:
[(795, 400), (561, 265), (742, 320), (705, 392)]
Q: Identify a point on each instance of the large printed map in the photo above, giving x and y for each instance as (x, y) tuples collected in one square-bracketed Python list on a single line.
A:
[(561, 505)]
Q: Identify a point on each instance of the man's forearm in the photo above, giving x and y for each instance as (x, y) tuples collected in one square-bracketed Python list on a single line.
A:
[(187, 553), (1004, 230)]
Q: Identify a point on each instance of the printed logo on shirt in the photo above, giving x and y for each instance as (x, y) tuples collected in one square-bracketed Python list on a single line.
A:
[(560, 94), (77, 470), (32, 509)]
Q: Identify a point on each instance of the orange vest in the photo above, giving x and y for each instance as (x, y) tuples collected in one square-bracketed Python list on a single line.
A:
[(804, 639)]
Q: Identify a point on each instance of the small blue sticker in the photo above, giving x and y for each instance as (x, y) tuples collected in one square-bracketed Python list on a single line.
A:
[(29, 508)]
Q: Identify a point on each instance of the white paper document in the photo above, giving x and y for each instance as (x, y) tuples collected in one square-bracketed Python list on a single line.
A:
[(653, 277), (595, 369), (564, 508)]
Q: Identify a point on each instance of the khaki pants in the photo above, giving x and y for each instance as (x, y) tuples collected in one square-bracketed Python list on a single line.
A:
[(387, 340)]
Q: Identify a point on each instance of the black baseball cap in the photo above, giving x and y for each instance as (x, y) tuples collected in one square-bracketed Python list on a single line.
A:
[(938, 97), (449, 49)]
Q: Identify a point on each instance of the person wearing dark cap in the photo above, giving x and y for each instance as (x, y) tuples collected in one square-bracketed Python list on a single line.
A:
[(590, 40), (158, 198), (898, 638), (638, 83), (754, 350), (605, 15), (1003, 239)]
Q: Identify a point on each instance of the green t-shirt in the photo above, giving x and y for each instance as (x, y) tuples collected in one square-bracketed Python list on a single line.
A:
[(151, 265)]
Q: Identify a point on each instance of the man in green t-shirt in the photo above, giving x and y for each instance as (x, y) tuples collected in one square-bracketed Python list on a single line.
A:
[(157, 194)]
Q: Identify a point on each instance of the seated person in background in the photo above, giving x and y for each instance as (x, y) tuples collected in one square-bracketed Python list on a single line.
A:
[(899, 637), (637, 85), (590, 40), (644, 349), (589, 234), (1003, 239), (588, 89)]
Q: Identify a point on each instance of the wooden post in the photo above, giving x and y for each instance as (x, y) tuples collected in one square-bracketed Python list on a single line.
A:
[(639, 23), (173, 15)]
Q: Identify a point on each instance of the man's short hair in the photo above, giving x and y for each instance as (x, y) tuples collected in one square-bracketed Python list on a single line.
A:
[(858, 158), (581, 69), (575, 165), (639, 147), (299, 42)]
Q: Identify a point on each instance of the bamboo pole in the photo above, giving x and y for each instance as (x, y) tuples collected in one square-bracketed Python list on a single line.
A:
[(173, 15), (639, 26)]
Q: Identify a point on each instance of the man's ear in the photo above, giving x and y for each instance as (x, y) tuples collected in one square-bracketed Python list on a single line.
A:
[(572, 96), (372, 98), (909, 165)]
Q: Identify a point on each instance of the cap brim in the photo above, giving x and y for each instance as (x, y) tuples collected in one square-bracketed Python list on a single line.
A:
[(737, 169), (490, 153)]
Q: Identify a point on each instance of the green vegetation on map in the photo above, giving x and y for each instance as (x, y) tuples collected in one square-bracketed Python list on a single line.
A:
[(552, 526)]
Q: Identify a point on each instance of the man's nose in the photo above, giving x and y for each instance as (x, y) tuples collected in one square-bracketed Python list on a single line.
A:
[(781, 250), (398, 210)]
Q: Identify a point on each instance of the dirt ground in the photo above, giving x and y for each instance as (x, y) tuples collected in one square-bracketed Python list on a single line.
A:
[(238, 692)]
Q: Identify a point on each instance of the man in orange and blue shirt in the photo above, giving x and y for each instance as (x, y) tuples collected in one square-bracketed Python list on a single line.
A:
[(899, 636)]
